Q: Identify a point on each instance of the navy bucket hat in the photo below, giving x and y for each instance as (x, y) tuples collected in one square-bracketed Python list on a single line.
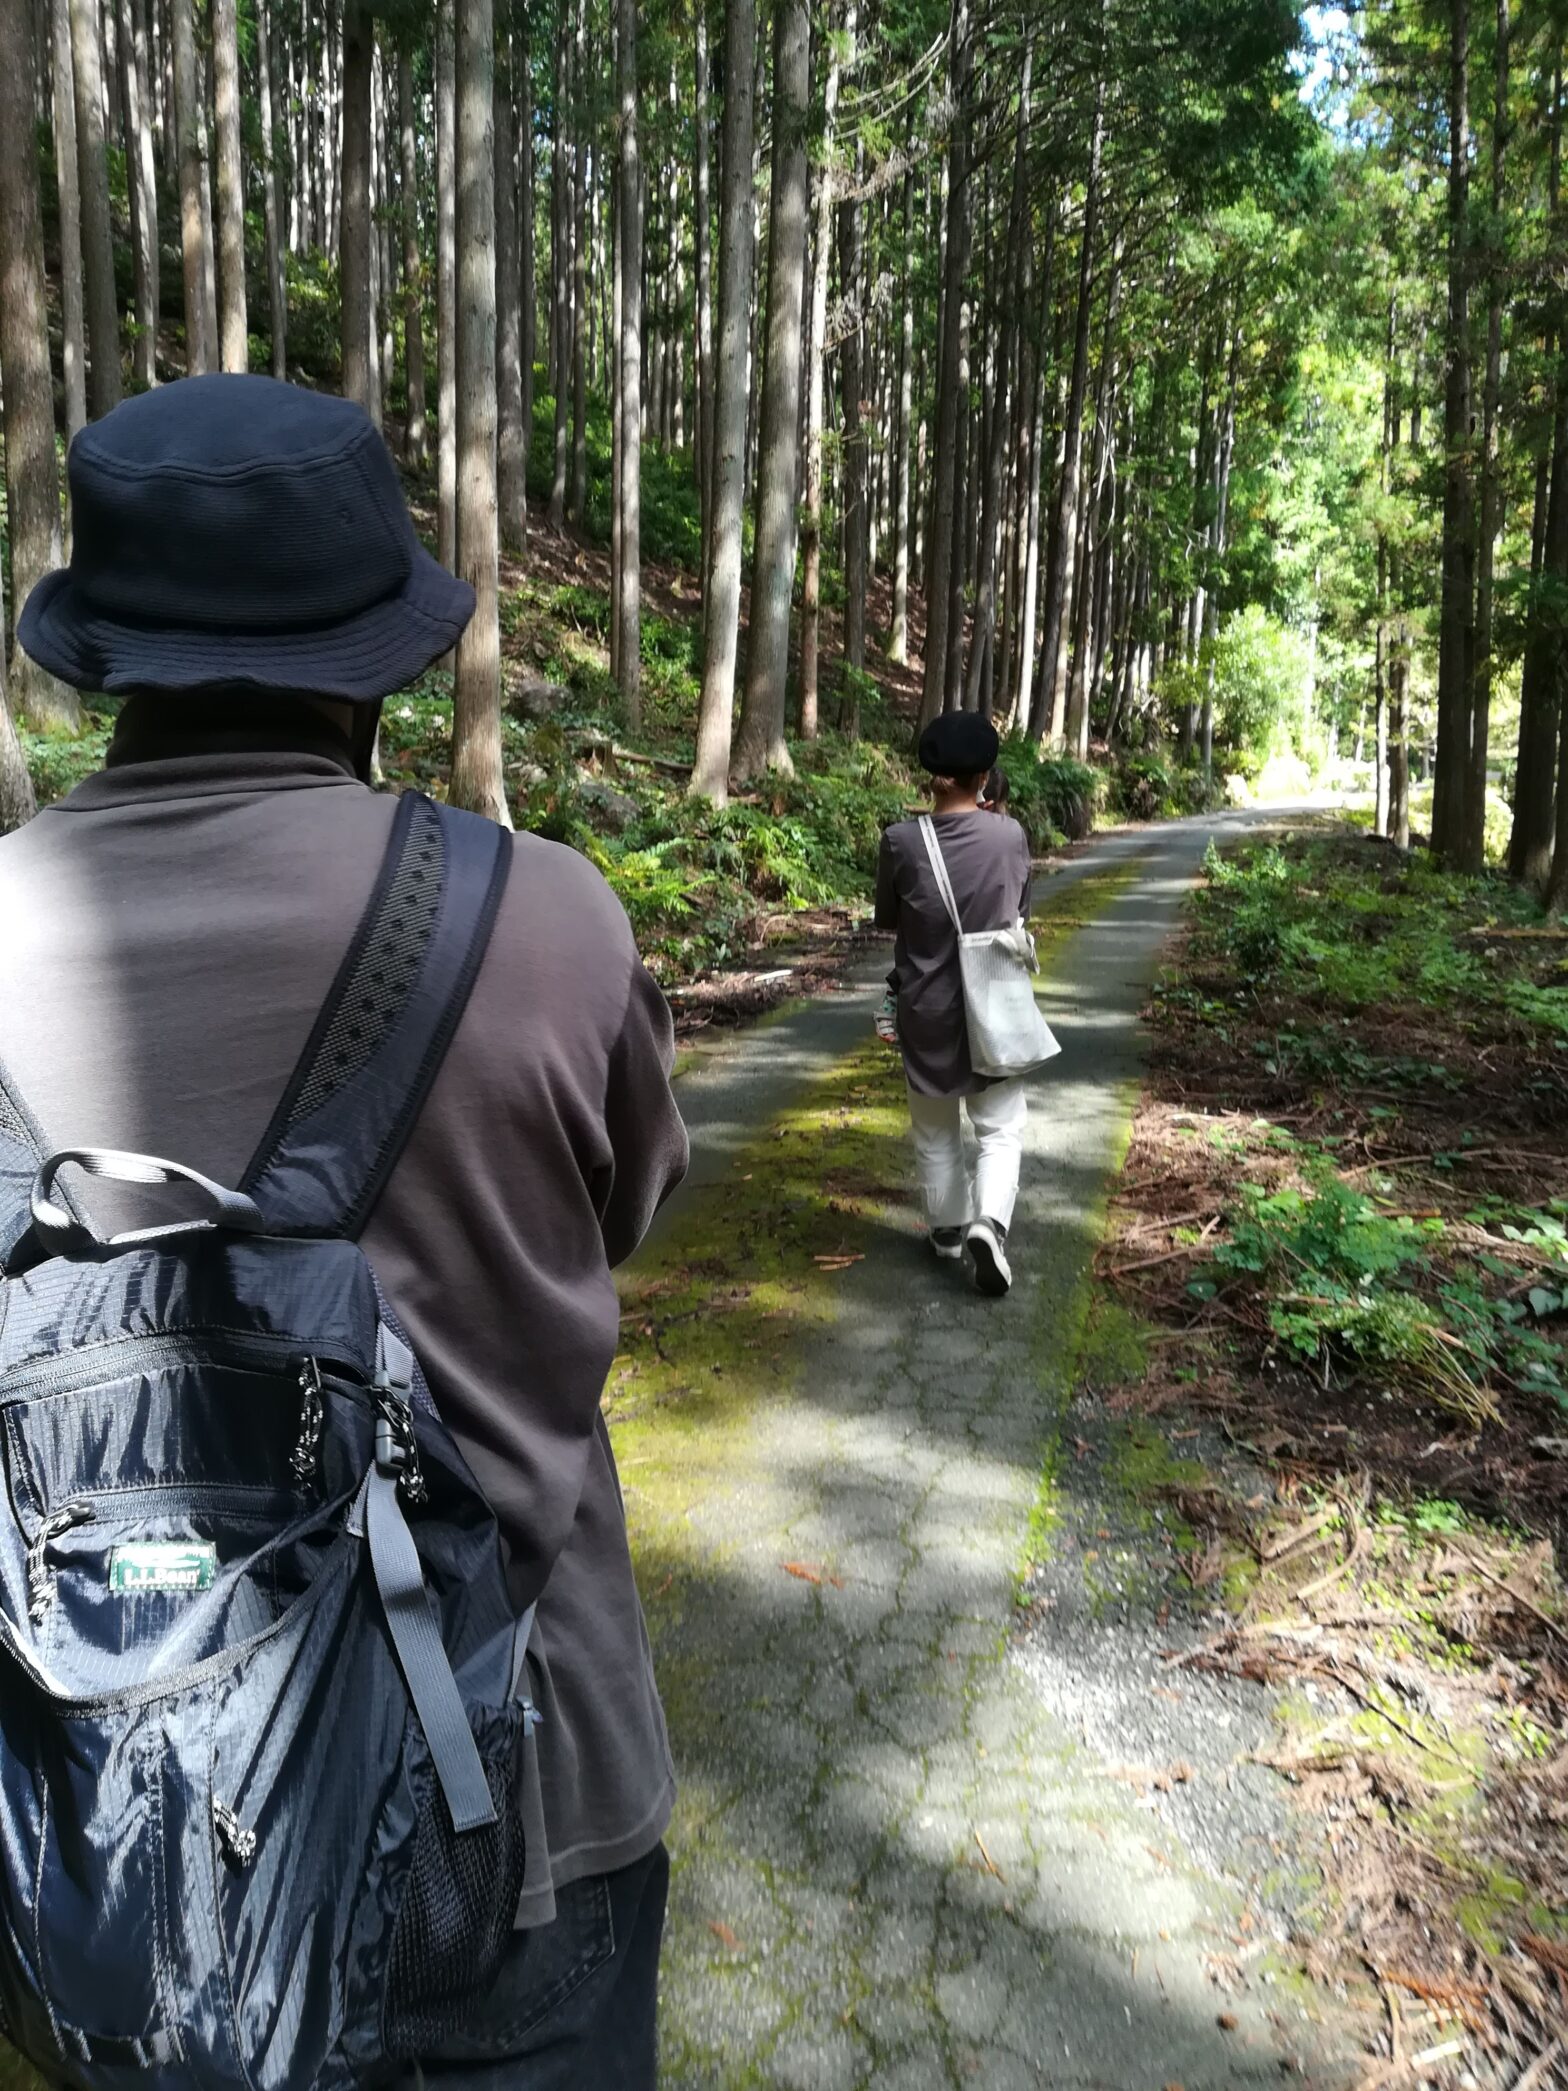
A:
[(236, 532)]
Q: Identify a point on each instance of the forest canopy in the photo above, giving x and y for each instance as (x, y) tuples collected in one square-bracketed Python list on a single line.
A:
[(1183, 385)]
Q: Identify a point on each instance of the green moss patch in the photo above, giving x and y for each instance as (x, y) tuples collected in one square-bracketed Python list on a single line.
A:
[(712, 1320)]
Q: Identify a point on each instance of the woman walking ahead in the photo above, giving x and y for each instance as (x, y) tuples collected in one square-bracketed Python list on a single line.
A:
[(988, 867)]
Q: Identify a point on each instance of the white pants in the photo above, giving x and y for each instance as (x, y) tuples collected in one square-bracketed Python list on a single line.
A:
[(954, 1196)]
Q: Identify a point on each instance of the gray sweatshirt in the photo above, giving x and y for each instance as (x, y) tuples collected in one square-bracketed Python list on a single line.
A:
[(167, 935)]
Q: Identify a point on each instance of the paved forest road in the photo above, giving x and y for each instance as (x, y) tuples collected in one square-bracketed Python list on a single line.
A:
[(892, 1868)]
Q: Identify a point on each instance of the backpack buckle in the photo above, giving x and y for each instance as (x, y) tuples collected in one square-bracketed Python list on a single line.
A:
[(397, 1449)]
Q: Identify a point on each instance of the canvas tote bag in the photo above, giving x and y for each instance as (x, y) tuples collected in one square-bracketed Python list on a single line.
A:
[(1007, 1033)]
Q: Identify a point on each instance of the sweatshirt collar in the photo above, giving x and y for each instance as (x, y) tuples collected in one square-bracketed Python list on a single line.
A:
[(160, 752)]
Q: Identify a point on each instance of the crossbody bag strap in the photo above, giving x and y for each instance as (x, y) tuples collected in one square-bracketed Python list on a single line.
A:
[(944, 884), (374, 1051)]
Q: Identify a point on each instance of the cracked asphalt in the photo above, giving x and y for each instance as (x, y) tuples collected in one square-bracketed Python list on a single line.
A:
[(897, 1864)]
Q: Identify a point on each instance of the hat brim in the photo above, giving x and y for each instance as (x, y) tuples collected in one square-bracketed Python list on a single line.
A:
[(363, 657)]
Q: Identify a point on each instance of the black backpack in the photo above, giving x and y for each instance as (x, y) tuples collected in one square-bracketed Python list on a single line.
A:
[(261, 1726)]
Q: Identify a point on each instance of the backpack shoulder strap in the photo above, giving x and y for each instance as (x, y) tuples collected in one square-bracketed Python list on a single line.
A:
[(373, 1053), (22, 1154)]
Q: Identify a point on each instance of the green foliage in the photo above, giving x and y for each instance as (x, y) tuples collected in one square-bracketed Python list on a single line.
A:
[(1310, 920), (58, 761), (1328, 934), (1143, 787), (312, 293), (671, 522), (1050, 795), (1338, 1276), (1255, 674), (702, 884)]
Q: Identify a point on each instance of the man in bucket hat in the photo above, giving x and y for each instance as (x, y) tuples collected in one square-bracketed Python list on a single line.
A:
[(245, 571)]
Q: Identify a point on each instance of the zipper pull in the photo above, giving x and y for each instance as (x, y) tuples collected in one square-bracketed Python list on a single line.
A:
[(312, 1414), (40, 1589)]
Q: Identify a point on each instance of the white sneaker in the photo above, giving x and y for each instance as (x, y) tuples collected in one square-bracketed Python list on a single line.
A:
[(948, 1243), (986, 1247)]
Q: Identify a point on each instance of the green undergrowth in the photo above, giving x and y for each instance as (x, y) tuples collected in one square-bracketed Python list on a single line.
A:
[(1360, 932), (1379, 980), (59, 761)]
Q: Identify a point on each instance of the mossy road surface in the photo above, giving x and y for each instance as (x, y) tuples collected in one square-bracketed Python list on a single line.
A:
[(893, 1869)]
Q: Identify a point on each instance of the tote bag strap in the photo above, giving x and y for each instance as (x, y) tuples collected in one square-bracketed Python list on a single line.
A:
[(944, 884)]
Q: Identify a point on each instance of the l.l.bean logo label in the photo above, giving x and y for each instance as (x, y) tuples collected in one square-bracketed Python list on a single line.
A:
[(181, 1565)]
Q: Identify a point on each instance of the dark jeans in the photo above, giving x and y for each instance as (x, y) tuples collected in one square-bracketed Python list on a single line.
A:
[(574, 2007)]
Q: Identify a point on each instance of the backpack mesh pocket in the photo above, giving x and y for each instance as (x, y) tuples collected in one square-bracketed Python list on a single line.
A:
[(460, 1897)]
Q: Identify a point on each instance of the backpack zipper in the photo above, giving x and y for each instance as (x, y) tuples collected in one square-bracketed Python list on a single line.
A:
[(306, 1456), (101, 1363), (40, 1589)]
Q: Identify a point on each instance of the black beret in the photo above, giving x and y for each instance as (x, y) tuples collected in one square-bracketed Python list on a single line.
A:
[(958, 744)]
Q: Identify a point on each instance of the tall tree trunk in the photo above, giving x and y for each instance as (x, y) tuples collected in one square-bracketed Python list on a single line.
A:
[(477, 781), (92, 167), (355, 230), (73, 325), (1474, 838), (511, 457), (753, 387), (200, 349), (1030, 670), (302, 192), (1451, 781), (560, 275), (980, 693), (675, 343), (376, 276), (415, 438), (233, 316), (17, 803), (446, 288), (1217, 534), (277, 298), (1015, 494), (627, 608), (141, 192), (856, 513), (1557, 885), (1541, 696), (522, 82), (579, 501), (721, 591), (953, 674), (1058, 600), (615, 398), (1530, 841), (898, 636), (151, 29), (1380, 782), (816, 341), (32, 475), (944, 494), (760, 743), (1399, 662), (702, 234), (209, 275), (382, 204)]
